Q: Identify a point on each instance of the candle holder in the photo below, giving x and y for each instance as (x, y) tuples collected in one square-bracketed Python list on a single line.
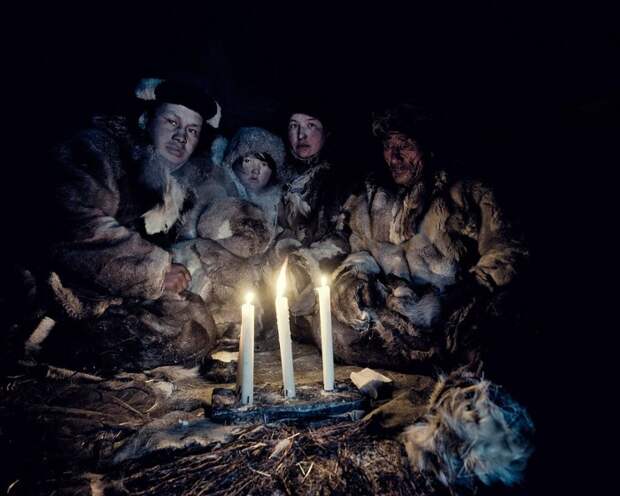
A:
[(311, 403)]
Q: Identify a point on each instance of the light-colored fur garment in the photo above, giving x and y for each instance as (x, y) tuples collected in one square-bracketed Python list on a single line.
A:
[(473, 431)]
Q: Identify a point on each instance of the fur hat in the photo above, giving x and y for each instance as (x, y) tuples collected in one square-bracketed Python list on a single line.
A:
[(249, 140), (412, 120), (181, 93)]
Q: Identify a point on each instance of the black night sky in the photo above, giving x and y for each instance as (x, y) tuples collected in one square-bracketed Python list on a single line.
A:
[(528, 96)]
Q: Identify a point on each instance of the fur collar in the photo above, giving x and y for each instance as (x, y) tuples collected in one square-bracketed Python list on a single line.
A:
[(164, 215)]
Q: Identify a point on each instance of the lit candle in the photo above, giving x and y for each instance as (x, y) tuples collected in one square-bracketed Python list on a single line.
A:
[(327, 347), (284, 335), (245, 372)]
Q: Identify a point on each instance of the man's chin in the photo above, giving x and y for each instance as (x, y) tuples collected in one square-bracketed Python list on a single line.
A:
[(174, 161), (402, 179), (406, 178)]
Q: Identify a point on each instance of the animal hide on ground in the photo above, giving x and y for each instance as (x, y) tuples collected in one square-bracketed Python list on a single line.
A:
[(473, 431)]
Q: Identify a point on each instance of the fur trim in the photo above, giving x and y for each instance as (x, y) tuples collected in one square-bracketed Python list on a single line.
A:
[(361, 262), (214, 121), (473, 431), (250, 140), (218, 148), (163, 216), (146, 88), (326, 250), (421, 312)]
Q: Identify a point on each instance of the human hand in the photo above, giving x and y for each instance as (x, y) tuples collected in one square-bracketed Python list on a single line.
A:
[(177, 279)]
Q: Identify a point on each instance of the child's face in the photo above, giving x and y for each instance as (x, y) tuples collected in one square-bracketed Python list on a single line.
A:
[(254, 173)]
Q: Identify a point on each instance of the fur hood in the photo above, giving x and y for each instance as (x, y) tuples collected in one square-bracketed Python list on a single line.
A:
[(250, 140)]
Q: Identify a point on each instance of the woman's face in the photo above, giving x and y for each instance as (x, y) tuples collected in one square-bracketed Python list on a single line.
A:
[(305, 135), (254, 173)]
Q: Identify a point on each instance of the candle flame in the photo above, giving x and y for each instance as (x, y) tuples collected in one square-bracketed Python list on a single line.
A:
[(323, 281), (281, 284), (249, 297)]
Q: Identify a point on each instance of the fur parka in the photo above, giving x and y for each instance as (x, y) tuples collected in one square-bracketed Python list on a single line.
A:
[(235, 231), (118, 210), (312, 199), (259, 207), (412, 250)]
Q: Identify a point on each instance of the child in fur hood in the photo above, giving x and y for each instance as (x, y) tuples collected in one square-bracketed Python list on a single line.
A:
[(253, 160), (238, 225)]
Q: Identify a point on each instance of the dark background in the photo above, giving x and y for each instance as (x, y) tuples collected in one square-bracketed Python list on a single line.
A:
[(528, 98)]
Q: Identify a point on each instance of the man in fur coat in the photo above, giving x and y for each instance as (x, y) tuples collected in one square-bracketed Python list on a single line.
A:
[(120, 207), (430, 256)]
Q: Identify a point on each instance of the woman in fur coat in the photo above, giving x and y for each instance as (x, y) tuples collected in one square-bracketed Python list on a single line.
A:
[(312, 198), (429, 256), (312, 193), (119, 207)]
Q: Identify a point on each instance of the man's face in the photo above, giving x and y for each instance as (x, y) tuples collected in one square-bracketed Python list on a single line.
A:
[(175, 131), (305, 135), (254, 173), (404, 158)]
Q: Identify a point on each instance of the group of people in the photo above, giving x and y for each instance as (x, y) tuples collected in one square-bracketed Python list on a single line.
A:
[(162, 225)]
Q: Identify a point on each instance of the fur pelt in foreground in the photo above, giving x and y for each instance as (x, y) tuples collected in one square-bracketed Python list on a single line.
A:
[(473, 431)]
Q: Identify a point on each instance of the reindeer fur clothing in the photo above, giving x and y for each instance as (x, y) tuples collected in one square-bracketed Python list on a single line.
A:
[(119, 204), (236, 229), (119, 209), (414, 253)]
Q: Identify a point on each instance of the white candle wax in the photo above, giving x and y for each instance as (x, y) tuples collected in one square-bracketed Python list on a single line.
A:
[(284, 336), (327, 346), (245, 372)]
